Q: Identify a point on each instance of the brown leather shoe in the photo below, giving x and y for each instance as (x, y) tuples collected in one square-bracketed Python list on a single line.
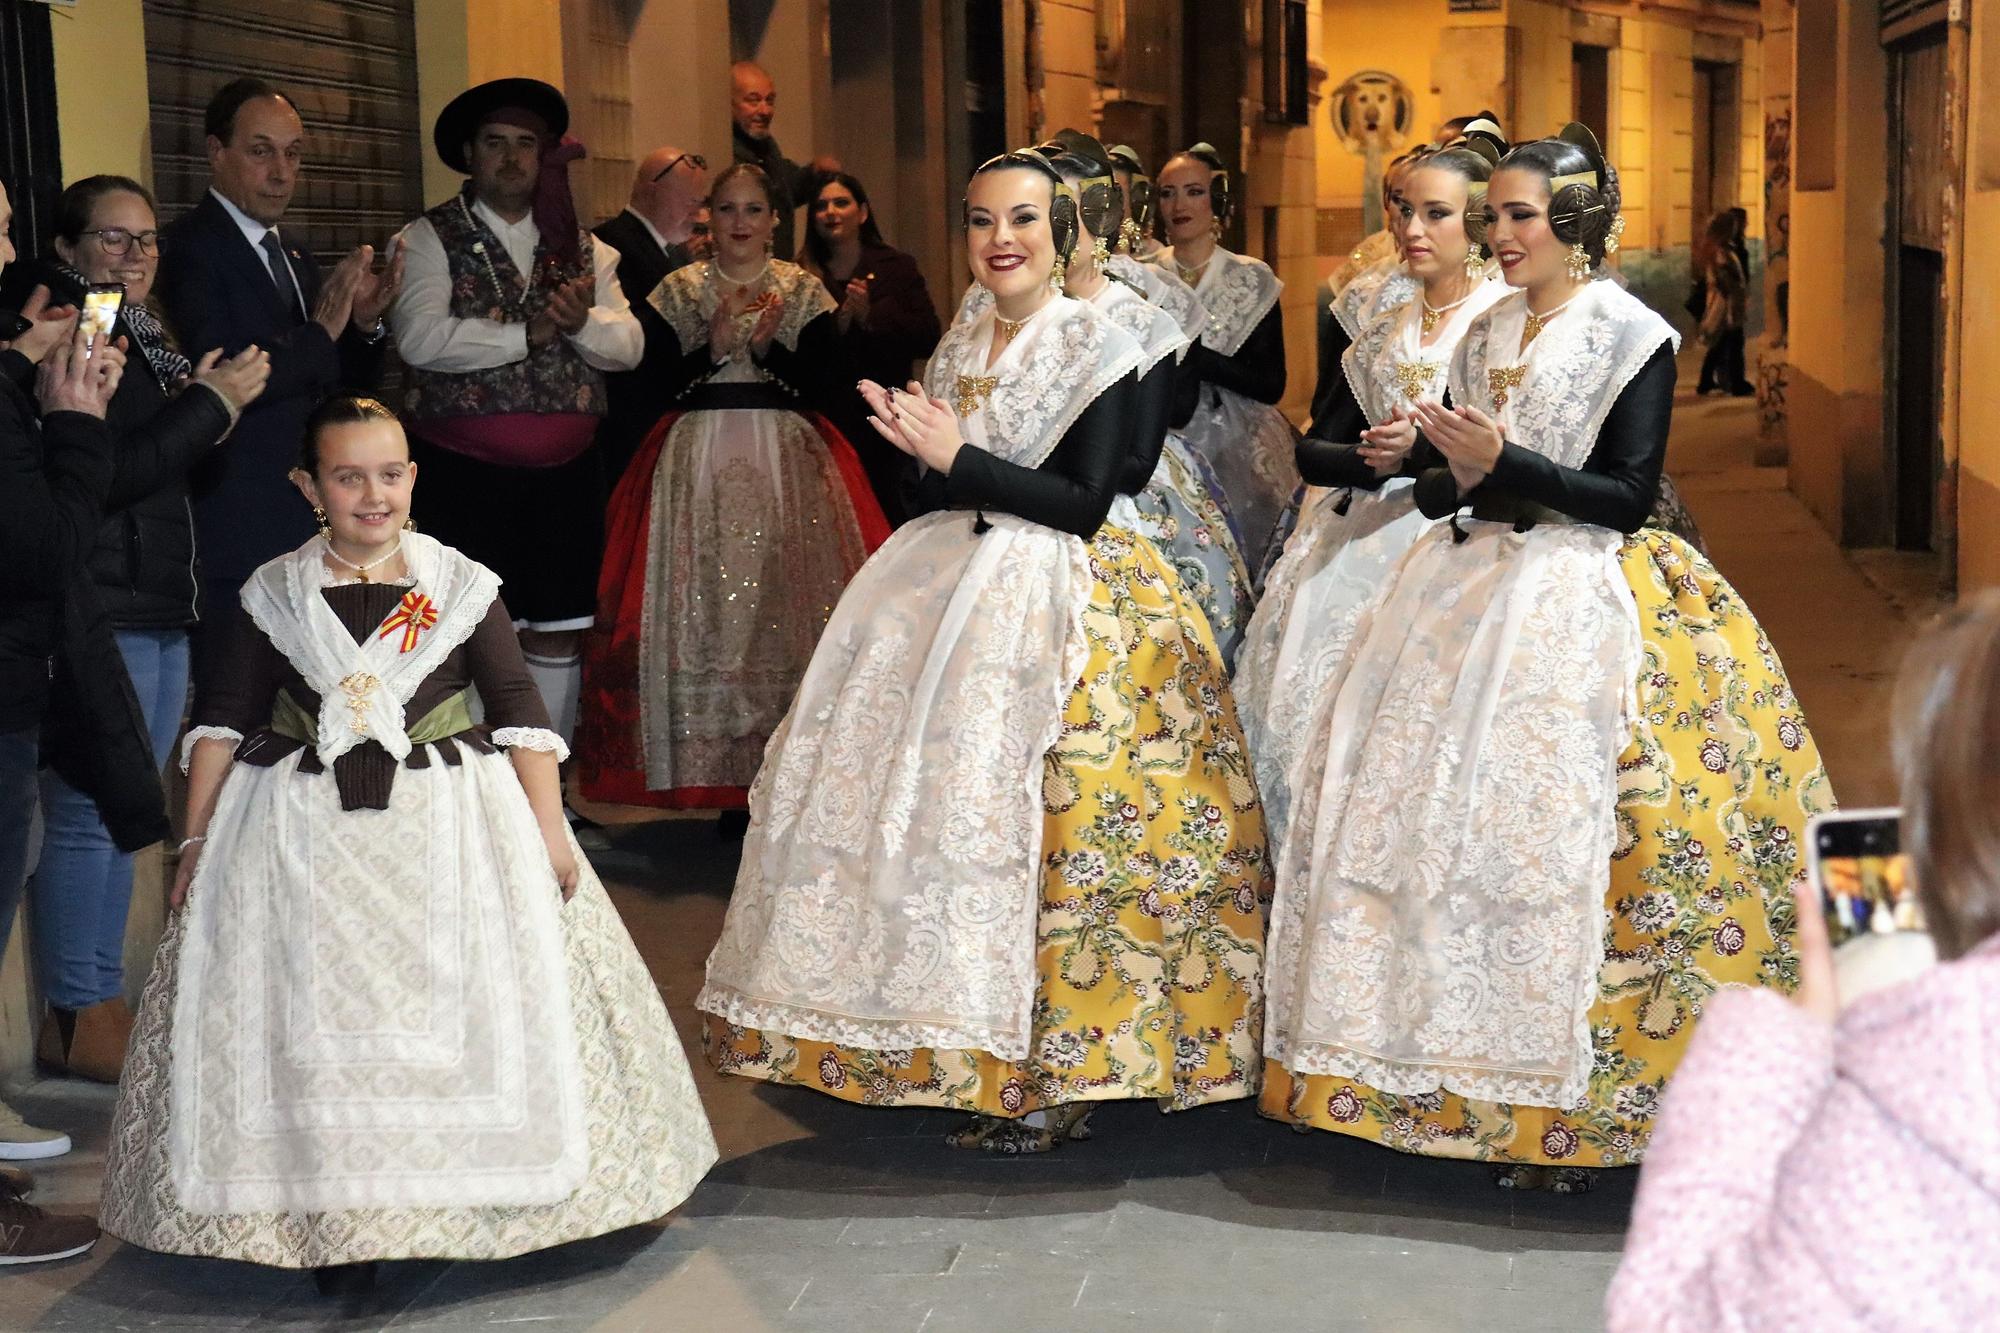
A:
[(96, 1047)]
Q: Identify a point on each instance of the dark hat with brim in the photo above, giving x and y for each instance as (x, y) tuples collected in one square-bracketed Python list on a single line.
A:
[(460, 120)]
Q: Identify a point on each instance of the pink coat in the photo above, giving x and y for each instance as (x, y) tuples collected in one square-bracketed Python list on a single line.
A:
[(1810, 1178)]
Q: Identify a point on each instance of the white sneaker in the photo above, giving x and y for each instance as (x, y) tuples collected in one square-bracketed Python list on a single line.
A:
[(23, 1142)]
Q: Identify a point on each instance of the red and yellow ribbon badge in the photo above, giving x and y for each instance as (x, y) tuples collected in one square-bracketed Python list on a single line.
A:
[(413, 615)]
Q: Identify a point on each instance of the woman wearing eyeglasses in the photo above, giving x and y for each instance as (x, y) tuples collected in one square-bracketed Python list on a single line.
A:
[(169, 411)]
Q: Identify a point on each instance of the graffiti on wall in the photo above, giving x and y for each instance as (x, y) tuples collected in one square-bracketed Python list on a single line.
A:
[(1373, 112)]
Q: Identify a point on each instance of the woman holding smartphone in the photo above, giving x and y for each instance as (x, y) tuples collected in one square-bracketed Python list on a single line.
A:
[(168, 413), (1556, 792)]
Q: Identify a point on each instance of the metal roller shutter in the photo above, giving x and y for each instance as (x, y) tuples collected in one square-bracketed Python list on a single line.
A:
[(351, 68)]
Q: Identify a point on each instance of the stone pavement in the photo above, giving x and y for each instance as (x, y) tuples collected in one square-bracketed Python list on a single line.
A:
[(828, 1216)]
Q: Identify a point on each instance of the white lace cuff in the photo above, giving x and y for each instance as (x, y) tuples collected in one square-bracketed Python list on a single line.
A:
[(532, 738), (230, 734)]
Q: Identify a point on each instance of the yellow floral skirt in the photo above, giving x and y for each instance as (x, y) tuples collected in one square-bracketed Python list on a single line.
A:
[(1154, 889), (1714, 792)]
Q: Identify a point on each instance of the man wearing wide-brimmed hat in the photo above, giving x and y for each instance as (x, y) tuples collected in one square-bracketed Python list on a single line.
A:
[(510, 316)]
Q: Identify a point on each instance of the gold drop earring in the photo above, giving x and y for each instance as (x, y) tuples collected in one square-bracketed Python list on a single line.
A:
[(1101, 252), (1475, 264), (319, 517), (1215, 230), (1058, 275), (1128, 235), (1578, 263)]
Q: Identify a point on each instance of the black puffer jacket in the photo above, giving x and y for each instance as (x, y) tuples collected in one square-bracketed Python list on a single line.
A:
[(144, 560)]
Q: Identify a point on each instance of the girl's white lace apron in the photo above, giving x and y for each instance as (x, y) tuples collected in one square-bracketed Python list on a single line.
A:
[(889, 882), (1337, 561), (1440, 909), (372, 1009)]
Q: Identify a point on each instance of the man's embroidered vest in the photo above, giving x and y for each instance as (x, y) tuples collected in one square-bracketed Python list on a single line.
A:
[(486, 285)]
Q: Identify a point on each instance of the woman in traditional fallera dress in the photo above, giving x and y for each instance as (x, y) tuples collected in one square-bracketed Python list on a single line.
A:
[(1234, 375), (733, 530), (1362, 514), (1161, 495), (394, 1015), (1554, 795), (1005, 856)]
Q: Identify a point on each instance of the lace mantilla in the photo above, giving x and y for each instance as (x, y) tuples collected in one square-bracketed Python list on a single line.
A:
[(1237, 291), (687, 297), (1073, 354), (1376, 291), (1153, 326), (532, 738), (1163, 289), (1388, 367), (1574, 371)]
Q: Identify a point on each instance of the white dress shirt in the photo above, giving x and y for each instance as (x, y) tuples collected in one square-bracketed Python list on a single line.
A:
[(429, 337), (254, 232)]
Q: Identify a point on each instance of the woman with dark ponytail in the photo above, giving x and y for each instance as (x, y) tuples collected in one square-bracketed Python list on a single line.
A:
[(1555, 793)]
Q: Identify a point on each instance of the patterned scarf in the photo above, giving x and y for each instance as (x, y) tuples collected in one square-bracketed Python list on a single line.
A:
[(169, 366)]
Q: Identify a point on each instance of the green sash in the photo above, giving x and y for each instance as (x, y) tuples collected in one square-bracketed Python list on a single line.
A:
[(447, 719)]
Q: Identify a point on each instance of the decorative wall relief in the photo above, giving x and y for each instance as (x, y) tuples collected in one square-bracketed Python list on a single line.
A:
[(1373, 113)]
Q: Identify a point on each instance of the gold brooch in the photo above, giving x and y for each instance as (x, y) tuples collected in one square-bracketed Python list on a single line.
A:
[(1504, 380), (973, 391), (357, 687), (1413, 377)]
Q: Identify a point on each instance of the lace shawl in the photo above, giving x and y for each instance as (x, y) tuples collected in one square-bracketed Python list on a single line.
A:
[(1439, 922), (1575, 370), (687, 297), (887, 893), (1381, 288), (363, 687), (1236, 290), (1151, 323), (1164, 290), (1387, 366)]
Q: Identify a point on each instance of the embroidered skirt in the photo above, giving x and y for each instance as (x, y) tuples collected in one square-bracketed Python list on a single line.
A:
[(356, 1037), (1714, 792), (1179, 514), (731, 537), (1153, 893)]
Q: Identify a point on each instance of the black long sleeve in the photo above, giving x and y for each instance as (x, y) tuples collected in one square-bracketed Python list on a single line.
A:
[(1616, 485), (1333, 345), (1149, 426), (819, 370), (161, 448), (50, 498), (1329, 454), (1072, 489), (677, 368), (1256, 369)]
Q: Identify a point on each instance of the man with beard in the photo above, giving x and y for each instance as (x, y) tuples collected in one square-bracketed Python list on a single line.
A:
[(510, 317)]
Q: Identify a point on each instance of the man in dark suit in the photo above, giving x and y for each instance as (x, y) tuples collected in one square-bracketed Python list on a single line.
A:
[(229, 279), (654, 235)]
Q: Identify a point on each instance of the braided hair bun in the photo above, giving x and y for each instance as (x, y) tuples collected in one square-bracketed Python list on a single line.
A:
[(1583, 188)]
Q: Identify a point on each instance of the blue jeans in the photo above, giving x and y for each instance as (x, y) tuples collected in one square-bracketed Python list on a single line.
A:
[(83, 888), (20, 753)]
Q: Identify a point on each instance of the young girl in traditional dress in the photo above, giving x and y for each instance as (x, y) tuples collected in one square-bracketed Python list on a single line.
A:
[(1351, 534), (733, 531), (1555, 794), (394, 1015), (1005, 856), (1234, 375)]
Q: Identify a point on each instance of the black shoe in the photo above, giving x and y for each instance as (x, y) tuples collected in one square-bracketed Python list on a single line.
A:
[(731, 825), (1744, 391), (345, 1279)]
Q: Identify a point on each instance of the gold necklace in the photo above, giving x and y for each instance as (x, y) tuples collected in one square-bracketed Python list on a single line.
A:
[(361, 571), (1010, 329), (1434, 314), (1536, 323)]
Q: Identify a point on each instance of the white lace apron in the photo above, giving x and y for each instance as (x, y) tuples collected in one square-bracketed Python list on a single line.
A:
[(1439, 919), (372, 1009), (1338, 558), (1249, 445), (889, 882)]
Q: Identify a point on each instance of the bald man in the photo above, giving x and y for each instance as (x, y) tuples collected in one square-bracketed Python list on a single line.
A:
[(654, 235), (753, 102)]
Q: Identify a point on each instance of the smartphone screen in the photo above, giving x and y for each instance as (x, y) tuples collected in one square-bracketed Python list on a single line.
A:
[(1856, 859), (101, 303)]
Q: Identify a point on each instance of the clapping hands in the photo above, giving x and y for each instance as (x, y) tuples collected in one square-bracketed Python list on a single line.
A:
[(1468, 439), (923, 427)]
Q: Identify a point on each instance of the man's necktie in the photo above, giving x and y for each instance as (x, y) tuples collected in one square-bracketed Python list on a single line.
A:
[(281, 273)]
